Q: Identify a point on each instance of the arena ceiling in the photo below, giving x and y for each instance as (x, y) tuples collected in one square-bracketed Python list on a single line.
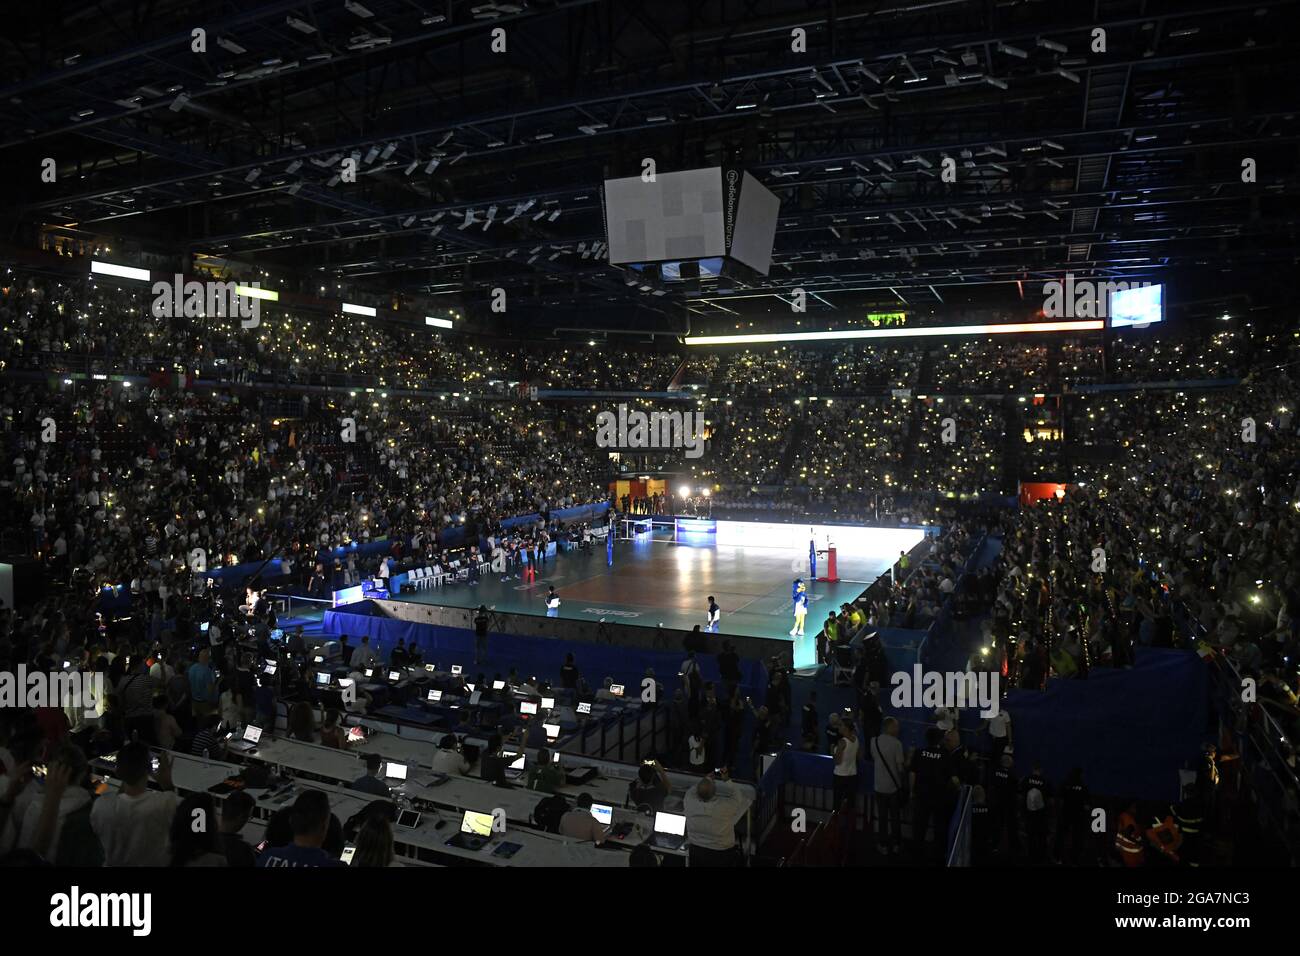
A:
[(482, 169)]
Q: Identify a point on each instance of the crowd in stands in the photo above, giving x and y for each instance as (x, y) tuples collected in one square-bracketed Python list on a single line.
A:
[(1193, 497)]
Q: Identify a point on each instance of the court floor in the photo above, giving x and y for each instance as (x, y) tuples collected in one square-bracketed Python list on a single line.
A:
[(656, 582)]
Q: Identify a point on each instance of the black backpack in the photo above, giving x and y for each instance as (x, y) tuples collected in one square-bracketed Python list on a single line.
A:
[(548, 811)]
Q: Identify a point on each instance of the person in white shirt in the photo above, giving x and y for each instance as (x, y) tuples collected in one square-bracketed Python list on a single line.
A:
[(998, 728), (449, 759), (713, 808), (845, 775), (890, 764), (132, 825), (65, 784), (363, 656)]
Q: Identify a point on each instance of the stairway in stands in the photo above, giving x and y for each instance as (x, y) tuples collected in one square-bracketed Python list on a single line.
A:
[(1012, 442), (921, 384)]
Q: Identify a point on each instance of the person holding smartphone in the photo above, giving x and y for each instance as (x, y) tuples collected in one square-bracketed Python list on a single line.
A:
[(650, 788), (132, 825)]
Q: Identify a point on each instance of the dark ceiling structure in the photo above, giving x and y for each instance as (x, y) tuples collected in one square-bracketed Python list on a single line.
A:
[(1101, 138)]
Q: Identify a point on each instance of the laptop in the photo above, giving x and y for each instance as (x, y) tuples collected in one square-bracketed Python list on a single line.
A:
[(475, 697), (475, 831), (579, 775), (269, 670), (318, 659), (670, 831), (498, 685), (394, 771), (616, 690), (435, 696), (370, 672), (527, 708), (394, 676), (548, 703), (323, 678), (514, 769), (252, 734), (584, 707), (603, 813), (455, 670), (552, 731), (409, 819)]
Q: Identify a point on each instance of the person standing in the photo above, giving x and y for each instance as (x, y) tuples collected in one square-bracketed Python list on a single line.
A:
[(845, 775), (203, 685), (930, 784), (715, 615), (713, 808), (890, 764)]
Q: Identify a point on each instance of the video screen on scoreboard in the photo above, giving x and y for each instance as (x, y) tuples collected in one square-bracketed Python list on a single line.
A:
[(1137, 307)]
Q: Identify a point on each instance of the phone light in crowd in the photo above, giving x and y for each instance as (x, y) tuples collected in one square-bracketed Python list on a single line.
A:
[(1082, 325), (438, 323), (359, 309), (252, 292), (122, 272)]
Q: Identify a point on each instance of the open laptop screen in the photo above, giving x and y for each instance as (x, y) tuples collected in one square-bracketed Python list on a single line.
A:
[(527, 707), (395, 771), (672, 823), (604, 814), (475, 822)]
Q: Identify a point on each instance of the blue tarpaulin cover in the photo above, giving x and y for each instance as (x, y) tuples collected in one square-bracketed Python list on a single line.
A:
[(1130, 731)]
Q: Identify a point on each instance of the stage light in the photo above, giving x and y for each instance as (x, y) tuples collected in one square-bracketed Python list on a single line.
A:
[(1084, 325), (122, 272), (438, 323), (683, 492), (359, 309)]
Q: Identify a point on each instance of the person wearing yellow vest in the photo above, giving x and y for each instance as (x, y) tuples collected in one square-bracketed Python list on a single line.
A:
[(831, 630)]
